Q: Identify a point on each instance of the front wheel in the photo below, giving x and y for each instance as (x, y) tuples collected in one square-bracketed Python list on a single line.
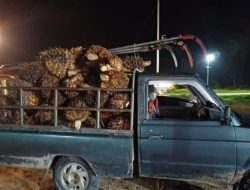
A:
[(243, 184), (74, 174)]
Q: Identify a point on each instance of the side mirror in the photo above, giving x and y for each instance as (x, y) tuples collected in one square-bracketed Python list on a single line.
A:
[(227, 115)]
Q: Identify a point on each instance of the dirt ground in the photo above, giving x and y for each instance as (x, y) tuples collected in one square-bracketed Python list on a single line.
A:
[(32, 179), (24, 179)]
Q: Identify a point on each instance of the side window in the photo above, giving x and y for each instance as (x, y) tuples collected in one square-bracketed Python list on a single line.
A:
[(168, 100)]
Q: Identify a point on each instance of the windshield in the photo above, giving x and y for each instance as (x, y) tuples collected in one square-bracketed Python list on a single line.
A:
[(211, 91)]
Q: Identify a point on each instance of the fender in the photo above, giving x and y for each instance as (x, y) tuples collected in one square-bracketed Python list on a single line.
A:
[(187, 51), (170, 50), (196, 39)]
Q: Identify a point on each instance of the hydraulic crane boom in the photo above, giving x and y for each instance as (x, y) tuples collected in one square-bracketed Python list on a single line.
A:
[(166, 43), (144, 47)]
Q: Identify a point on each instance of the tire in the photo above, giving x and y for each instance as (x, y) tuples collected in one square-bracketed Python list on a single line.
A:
[(74, 174), (236, 186), (244, 183)]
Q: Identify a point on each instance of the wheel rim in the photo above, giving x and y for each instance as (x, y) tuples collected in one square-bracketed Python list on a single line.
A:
[(74, 177)]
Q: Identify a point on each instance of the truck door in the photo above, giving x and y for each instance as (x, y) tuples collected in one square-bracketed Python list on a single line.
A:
[(186, 147)]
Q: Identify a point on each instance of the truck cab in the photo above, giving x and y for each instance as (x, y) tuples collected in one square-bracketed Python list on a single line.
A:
[(191, 138)]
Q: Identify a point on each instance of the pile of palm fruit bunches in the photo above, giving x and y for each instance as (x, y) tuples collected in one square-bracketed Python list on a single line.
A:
[(73, 68)]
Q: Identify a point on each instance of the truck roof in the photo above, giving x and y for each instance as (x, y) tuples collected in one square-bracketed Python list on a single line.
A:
[(174, 75), (170, 75)]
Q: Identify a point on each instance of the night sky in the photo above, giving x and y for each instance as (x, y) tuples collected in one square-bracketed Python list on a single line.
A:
[(27, 27)]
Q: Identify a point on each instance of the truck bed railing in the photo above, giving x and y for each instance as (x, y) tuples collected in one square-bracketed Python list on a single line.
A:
[(97, 108)]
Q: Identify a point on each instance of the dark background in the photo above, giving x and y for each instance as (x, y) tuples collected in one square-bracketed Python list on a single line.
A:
[(27, 27)]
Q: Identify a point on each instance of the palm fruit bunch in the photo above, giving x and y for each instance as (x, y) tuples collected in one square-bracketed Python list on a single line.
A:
[(74, 81), (75, 77), (109, 67), (90, 98), (31, 71), (105, 96), (114, 79), (31, 98), (74, 56), (3, 112), (77, 116), (134, 62), (55, 61), (13, 94), (29, 119), (105, 118), (119, 101), (75, 68), (48, 81), (119, 122), (3, 101), (9, 116), (90, 122), (96, 52), (45, 117), (12, 98)]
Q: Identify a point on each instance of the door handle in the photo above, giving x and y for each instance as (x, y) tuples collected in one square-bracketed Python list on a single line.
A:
[(155, 136)]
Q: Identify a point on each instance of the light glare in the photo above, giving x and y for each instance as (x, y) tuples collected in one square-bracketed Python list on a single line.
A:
[(210, 57)]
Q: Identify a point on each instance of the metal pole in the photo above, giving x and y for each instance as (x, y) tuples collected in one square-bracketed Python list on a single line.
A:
[(21, 107), (158, 37), (56, 108), (98, 108), (208, 73)]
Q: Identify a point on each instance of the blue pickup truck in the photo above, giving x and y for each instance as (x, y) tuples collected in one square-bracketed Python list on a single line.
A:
[(193, 136)]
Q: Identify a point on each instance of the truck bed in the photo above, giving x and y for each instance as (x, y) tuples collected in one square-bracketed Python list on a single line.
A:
[(107, 152)]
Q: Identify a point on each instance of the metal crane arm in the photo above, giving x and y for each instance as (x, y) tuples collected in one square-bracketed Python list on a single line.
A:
[(163, 43)]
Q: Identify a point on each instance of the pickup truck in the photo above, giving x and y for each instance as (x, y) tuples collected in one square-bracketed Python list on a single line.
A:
[(194, 136)]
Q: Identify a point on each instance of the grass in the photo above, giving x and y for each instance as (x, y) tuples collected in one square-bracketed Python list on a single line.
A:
[(225, 90), (239, 102), (181, 93), (240, 107), (235, 98)]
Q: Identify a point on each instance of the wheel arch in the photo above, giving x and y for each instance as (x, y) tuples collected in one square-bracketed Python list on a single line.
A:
[(88, 164)]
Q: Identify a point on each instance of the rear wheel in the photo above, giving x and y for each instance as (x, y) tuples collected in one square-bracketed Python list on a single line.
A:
[(74, 174)]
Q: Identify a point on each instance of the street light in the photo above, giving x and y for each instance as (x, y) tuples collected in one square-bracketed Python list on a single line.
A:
[(209, 59), (158, 37)]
